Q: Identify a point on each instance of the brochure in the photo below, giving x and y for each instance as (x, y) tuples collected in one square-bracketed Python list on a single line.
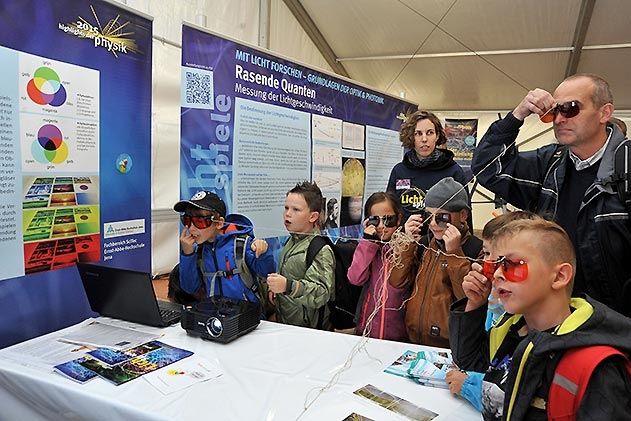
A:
[(75, 371), (427, 368), (122, 366), (98, 334)]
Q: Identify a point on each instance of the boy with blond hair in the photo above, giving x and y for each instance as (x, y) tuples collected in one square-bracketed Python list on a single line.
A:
[(526, 353)]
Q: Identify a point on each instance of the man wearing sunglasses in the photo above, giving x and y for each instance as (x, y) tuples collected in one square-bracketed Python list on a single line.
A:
[(573, 181), (210, 260)]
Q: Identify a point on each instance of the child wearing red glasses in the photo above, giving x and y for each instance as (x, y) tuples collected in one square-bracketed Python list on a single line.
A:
[(469, 384), (208, 258), (443, 263), (550, 356), (370, 268)]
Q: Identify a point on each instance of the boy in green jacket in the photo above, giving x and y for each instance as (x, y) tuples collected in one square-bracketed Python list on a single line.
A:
[(299, 293)]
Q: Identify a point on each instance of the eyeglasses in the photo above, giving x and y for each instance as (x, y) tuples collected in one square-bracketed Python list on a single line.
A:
[(567, 109), (514, 271), (389, 221), (200, 222), (441, 218)]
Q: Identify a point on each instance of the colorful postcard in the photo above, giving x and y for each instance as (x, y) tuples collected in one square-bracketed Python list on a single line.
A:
[(109, 356), (135, 367), (75, 371)]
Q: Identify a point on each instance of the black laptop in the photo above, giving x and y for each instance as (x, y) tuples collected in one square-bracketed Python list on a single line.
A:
[(127, 295)]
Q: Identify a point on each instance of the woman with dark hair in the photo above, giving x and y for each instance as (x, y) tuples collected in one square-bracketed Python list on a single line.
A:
[(424, 164)]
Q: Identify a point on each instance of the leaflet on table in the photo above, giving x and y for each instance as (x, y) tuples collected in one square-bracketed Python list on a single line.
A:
[(357, 417), (428, 368), (121, 366), (183, 374), (395, 403), (98, 334)]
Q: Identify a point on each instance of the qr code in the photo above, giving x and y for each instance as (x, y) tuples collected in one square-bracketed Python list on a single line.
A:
[(199, 89)]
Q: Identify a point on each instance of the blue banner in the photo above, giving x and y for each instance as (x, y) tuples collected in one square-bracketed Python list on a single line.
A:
[(75, 141), (253, 124)]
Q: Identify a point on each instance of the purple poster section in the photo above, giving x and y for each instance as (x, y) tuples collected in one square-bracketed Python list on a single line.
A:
[(253, 124)]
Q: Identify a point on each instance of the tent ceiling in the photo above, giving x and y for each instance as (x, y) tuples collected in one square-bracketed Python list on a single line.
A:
[(368, 35)]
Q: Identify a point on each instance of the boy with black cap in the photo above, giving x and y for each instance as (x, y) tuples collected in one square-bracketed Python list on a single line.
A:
[(442, 266), (209, 255)]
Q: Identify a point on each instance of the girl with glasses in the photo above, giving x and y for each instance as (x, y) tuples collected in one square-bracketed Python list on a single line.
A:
[(369, 268)]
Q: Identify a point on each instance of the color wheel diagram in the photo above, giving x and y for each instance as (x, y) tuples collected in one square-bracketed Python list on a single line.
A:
[(60, 223), (45, 88)]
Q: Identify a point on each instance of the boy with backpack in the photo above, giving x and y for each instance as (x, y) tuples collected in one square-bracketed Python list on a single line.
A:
[(550, 356), (218, 253), (299, 291)]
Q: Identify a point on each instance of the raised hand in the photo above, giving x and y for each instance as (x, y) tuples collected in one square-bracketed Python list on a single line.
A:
[(452, 237), (537, 101), (476, 287), (259, 247), (187, 242)]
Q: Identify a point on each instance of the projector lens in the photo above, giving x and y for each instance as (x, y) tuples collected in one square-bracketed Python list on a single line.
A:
[(214, 327)]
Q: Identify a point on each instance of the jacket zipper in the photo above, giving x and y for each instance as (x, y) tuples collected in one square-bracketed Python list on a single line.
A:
[(425, 309), (383, 302)]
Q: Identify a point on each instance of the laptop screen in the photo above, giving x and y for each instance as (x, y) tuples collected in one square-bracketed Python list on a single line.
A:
[(120, 293)]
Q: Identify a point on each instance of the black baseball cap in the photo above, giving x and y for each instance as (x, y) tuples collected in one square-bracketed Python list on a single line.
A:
[(203, 200)]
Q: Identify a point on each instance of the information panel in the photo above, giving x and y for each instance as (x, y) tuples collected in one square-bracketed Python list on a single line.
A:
[(254, 124)]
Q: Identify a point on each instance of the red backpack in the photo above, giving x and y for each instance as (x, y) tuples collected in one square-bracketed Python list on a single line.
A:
[(571, 378)]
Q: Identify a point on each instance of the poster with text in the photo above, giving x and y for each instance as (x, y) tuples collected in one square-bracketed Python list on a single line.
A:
[(75, 136), (461, 139), (253, 124)]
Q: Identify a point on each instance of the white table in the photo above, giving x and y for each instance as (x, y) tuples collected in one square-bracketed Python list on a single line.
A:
[(267, 375)]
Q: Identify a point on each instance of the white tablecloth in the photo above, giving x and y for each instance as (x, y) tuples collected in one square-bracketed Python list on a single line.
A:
[(267, 375)]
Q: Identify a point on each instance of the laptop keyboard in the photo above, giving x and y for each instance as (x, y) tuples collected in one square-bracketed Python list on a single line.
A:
[(168, 314)]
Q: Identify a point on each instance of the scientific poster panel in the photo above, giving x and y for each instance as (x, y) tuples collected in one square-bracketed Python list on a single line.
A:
[(253, 124), (75, 142), (462, 138)]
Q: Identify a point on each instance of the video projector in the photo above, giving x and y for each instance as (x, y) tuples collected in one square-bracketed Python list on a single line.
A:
[(221, 319)]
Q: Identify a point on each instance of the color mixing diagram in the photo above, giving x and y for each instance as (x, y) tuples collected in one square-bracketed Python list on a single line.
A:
[(59, 116), (49, 147), (60, 222), (45, 88)]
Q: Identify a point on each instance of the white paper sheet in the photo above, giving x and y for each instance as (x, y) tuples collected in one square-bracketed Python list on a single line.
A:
[(182, 374)]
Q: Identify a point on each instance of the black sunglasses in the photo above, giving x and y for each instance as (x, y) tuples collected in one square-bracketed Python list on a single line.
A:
[(389, 221), (567, 109), (442, 219)]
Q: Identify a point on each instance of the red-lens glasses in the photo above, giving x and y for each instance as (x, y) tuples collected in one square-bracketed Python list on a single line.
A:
[(200, 222), (514, 271), (567, 109), (389, 221)]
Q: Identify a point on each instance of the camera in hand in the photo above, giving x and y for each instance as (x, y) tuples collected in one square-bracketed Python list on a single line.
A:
[(221, 319)]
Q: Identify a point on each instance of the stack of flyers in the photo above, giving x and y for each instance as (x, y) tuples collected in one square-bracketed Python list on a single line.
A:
[(122, 366), (431, 367), (427, 368)]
